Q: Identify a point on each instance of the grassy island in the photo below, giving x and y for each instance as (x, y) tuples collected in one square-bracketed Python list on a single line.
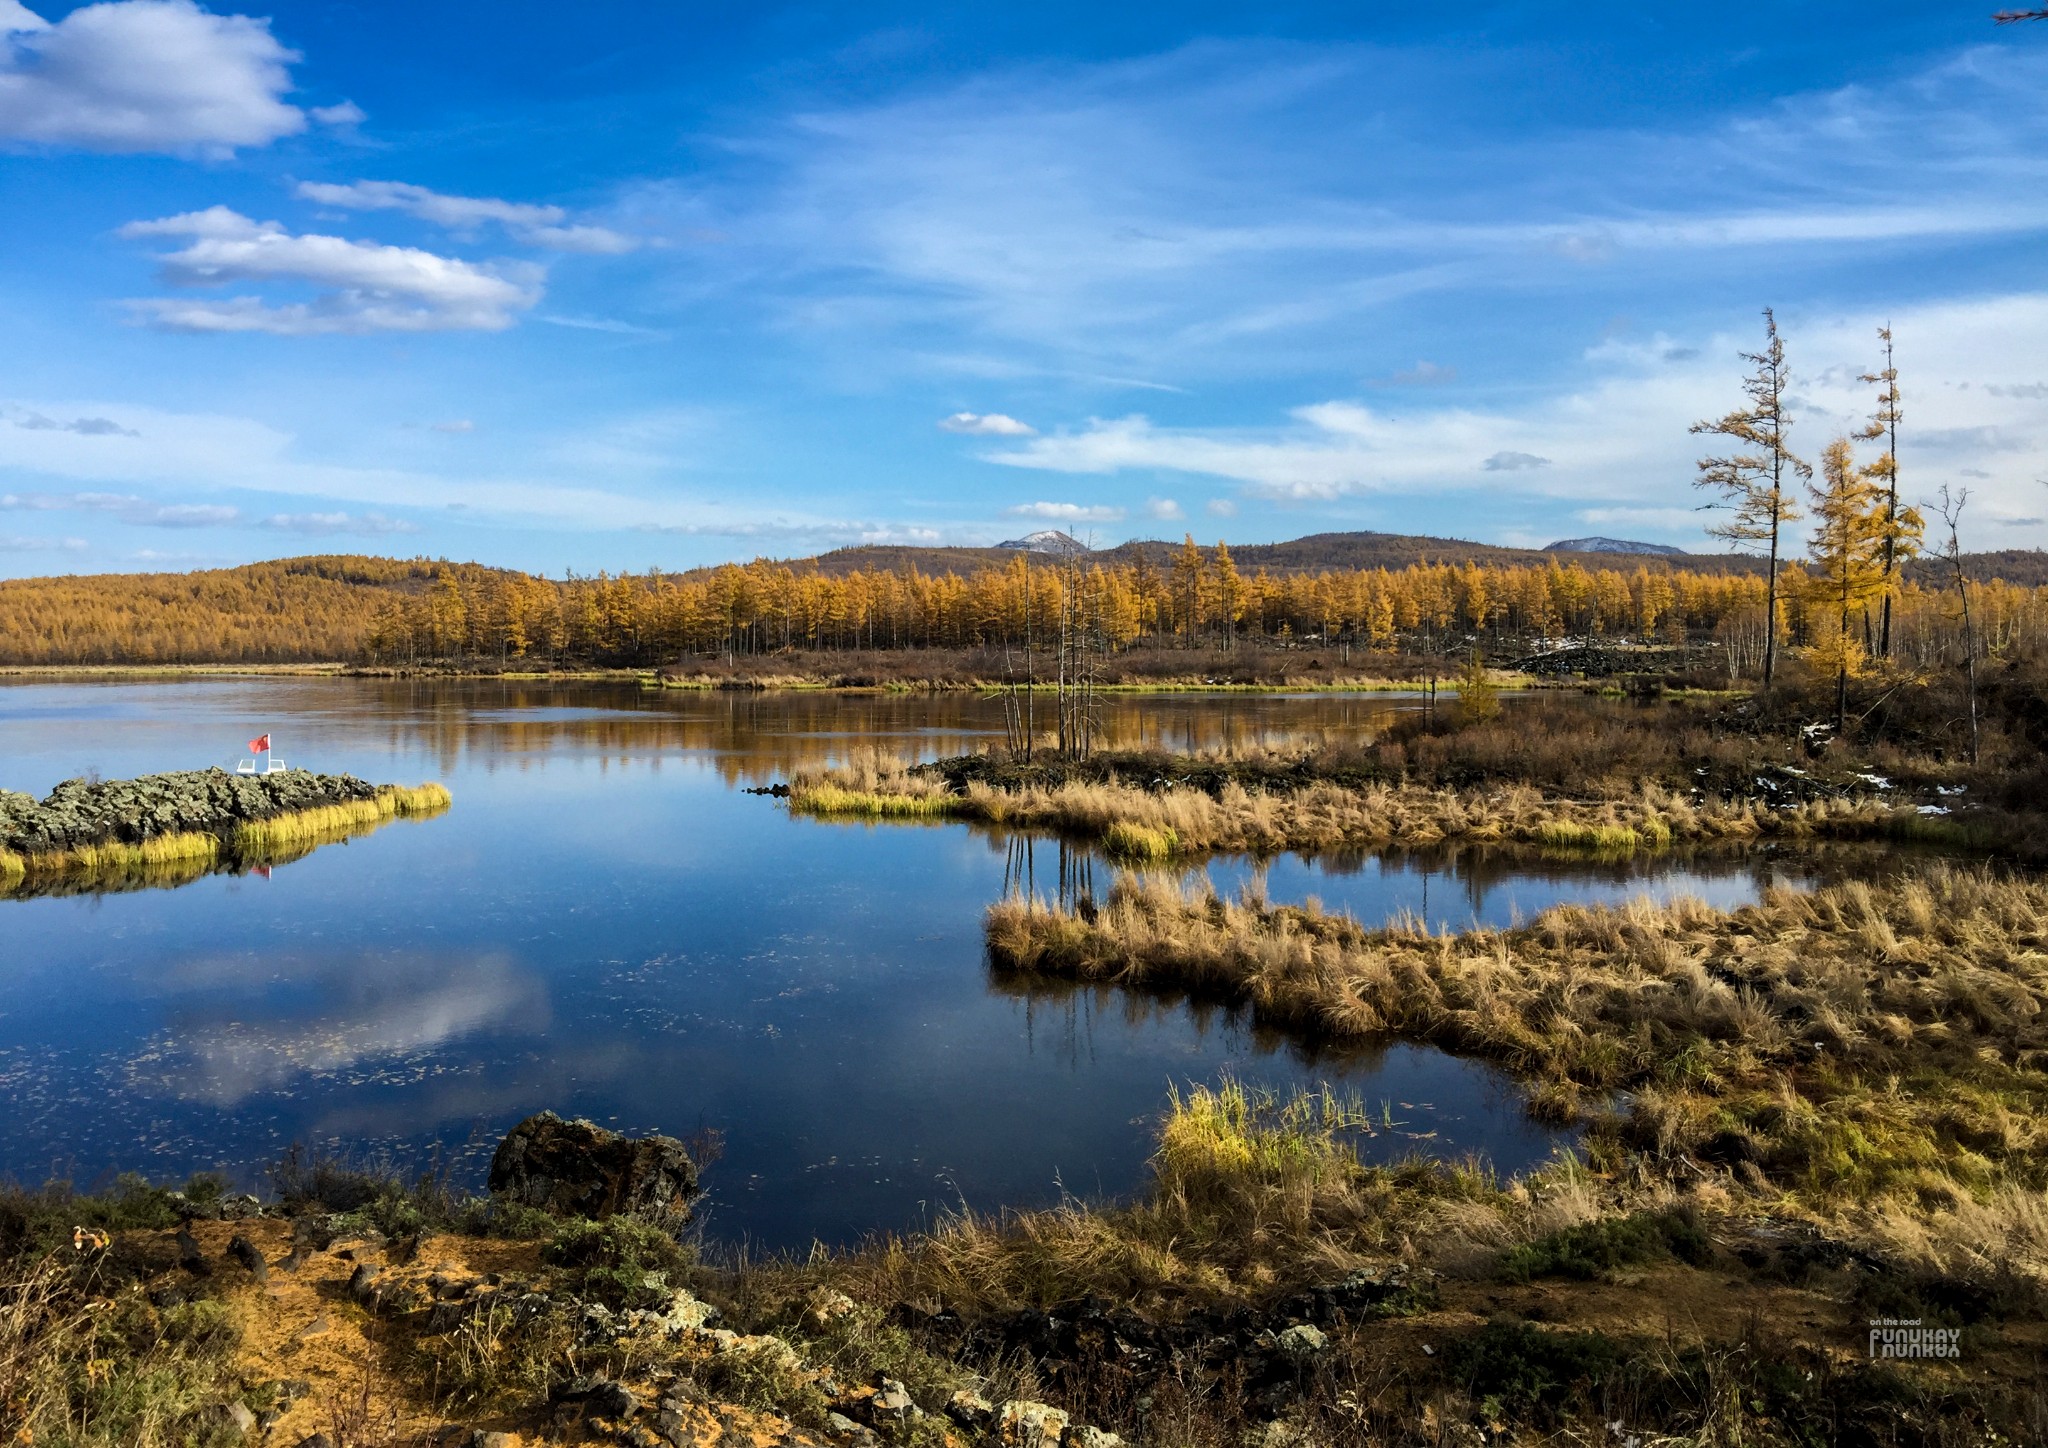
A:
[(164, 827)]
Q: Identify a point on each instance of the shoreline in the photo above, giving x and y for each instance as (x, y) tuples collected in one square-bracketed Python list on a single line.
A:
[(170, 828)]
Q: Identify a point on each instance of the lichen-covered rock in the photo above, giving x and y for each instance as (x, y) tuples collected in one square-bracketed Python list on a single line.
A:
[(1022, 1424), (579, 1169), (1302, 1341), (971, 1410), (82, 812)]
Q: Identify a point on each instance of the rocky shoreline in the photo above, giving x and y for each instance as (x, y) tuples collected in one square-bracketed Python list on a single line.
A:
[(194, 817), (568, 1307)]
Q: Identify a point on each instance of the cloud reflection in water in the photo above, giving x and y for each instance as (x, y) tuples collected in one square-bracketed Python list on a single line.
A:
[(344, 1020)]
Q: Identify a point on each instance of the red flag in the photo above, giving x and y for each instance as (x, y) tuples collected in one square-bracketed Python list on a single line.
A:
[(260, 745)]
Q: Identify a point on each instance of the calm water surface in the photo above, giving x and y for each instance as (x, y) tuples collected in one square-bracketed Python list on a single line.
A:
[(607, 926)]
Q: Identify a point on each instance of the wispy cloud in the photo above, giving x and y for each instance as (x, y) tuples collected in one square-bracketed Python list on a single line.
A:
[(1423, 374), (536, 225), (1619, 438), (364, 286), (986, 424), (83, 426), (17, 543), (1066, 512), (142, 512), (364, 525), (1160, 218)]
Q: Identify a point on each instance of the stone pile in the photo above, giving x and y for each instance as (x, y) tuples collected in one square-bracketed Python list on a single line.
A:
[(81, 812)]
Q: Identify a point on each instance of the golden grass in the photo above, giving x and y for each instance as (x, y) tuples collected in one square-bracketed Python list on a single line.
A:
[(1247, 1190), (115, 857), (871, 786), (1139, 843), (177, 858), (1132, 820), (829, 800), (1858, 1042), (300, 831)]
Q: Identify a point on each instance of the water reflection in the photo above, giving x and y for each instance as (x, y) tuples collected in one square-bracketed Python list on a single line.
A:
[(343, 1020), (605, 926), (747, 736)]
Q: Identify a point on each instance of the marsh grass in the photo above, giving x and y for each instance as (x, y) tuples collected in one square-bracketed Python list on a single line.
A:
[(172, 859), (831, 801), (1152, 821), (1140, 844), (82, 1369), (1859, 1044)]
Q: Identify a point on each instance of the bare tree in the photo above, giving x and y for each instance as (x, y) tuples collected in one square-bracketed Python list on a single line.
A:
[(1753, 483), (1950, 506), (1884, 423), (2010, 17)]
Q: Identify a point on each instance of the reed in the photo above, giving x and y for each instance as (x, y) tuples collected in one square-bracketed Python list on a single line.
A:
[(259, 838), (1141, 844), (1153, 822), (164, 853), (421, 799), (827, 800), (173, 859), (1859, 1042)]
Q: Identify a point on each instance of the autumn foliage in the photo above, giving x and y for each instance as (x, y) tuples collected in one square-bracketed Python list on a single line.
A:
[(420, 611)]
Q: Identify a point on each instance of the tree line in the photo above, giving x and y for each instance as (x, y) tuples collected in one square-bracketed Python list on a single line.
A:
[(422, 611)]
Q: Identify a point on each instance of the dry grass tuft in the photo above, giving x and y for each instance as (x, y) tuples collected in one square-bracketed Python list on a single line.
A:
[(173, 859), (1138, 821), (1862, 1042)]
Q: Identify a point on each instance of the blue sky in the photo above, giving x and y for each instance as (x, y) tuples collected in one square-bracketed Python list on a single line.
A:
[(628, 286)]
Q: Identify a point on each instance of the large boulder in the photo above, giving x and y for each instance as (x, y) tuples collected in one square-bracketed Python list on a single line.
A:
[(578, 1169)]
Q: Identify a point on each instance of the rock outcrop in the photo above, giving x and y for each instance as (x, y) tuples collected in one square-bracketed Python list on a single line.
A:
[(82, 812), (577, 1168)]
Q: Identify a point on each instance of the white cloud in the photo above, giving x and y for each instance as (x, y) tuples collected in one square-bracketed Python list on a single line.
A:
[(16, 543), (368, 287), (537, 225), (460, 424), (613, 477), (367, 525), (589, 240), (1164, 510), (1160, 216), (142, 512), (1220, 508), (347, 113), (1066, 512), (986, 424), (1619, 439), (143, 75)]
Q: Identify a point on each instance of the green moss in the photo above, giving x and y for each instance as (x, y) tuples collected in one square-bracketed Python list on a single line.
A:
[(621, 1261), (1596, 1249), (1516, 1370)]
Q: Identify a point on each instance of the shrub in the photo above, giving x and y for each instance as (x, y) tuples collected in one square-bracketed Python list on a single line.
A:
[(1594, 1249), (620, 1261)]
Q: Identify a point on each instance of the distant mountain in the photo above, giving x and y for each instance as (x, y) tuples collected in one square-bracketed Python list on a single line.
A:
[(1048, 540), (1613, 545)]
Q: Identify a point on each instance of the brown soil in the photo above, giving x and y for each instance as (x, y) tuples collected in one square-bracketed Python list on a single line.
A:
[(301, 1324)]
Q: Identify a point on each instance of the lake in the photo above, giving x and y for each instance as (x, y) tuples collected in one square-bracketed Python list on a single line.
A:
[(605, 924)]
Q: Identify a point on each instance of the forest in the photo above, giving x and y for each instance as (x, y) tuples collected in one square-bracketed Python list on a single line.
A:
[(418, 612)]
